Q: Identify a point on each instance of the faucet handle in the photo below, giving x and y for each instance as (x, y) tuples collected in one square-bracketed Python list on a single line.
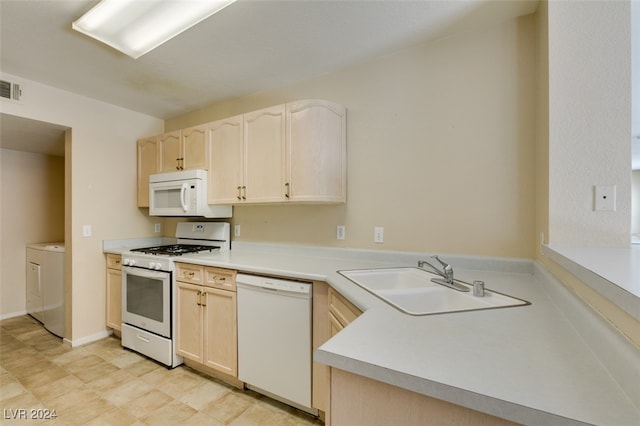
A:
[(445, 265)]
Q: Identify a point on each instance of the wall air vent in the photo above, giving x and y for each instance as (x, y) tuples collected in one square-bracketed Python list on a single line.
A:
[(10, 90)]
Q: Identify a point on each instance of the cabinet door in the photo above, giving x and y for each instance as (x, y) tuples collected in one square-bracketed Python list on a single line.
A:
[(220, 331), (194, 148), (147, 165), (189, 321), (263, 163), (170, 152), (225, 160), (316, 151), (114, 298)]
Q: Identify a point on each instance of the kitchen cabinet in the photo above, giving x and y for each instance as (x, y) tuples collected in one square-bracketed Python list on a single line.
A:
[(226, 143), (341, 312), (247, 158), (114, 291), (147, 160), (316, 152), (331, 313), (184, 149), (263, 156), (360, 400), (294, 152), (206, 317)]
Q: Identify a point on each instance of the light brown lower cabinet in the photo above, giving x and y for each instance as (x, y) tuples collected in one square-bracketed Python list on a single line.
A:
[(358, 400), (114, 291), (206, 317), (331, 313)]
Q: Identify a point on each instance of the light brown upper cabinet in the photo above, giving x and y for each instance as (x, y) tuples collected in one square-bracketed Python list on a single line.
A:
[(294, 152), (226, 144), (184, 149), (316, 152), (147, 155)]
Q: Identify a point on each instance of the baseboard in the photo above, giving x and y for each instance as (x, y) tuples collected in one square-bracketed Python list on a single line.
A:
[(12, 315), (88, 339)]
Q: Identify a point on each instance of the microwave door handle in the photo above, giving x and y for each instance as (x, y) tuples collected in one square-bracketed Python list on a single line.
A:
[(183, 197)]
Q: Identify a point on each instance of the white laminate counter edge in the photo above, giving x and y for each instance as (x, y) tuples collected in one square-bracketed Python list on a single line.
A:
[(464, 398), (614, 291), (623, 363)]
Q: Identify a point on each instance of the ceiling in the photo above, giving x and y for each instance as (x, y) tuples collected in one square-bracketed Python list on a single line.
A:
[(248, 47)]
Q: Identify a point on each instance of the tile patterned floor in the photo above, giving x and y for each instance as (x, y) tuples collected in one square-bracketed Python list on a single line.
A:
[(103, 384)]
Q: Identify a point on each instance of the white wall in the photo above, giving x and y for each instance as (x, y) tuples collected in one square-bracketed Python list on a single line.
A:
[(589, 120), (101, 189), (32, 192), (440, 147), (635, 205)]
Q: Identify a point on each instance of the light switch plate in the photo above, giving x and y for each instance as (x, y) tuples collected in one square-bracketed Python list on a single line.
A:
[(340, 232), (604, 198), (378, 234)]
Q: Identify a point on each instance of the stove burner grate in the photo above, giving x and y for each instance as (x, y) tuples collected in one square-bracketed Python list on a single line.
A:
[(176, 249)]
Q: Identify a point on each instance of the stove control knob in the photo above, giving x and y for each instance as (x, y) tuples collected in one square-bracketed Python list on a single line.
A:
[(132, 262), (152, 265), (125, 261), (158, 266)]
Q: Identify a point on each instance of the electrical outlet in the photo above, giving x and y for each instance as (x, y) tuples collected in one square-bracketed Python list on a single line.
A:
[(236, 230), (340, 232), (86, 230), (604, 198), (378, 234), (156, 227)]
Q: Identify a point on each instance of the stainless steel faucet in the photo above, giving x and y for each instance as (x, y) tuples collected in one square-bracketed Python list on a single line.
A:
[(446, 273)]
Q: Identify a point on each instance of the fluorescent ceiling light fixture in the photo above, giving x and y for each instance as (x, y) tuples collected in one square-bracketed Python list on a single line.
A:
[(135, 27)]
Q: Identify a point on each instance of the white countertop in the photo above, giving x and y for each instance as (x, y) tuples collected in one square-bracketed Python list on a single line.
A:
[(612, 272), (533, 364)]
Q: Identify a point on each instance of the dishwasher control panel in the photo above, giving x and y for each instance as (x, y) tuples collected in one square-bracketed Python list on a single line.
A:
[(273, 283)]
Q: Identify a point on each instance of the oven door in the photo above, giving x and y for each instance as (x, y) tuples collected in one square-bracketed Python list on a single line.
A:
[(146, 300)]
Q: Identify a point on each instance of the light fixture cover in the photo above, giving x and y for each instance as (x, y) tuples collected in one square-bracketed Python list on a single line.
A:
[(135, 27)]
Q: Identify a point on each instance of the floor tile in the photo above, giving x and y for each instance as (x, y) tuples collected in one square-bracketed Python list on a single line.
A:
[(102, 383)]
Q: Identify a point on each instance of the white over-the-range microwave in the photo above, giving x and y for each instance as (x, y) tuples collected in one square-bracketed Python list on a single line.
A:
[(183, 193)]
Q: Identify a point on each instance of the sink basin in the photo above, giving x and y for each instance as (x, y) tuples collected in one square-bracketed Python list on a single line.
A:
[(412, 291)]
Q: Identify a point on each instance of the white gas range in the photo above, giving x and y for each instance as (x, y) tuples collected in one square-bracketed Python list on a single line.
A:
[(149, 290)]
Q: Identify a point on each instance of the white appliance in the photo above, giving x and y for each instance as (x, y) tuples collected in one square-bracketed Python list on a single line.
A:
[(149, 289), (183, 194), (274, 338), (45, 285)]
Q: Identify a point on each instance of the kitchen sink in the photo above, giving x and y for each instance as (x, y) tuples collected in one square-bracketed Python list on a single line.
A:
[(411, 291)]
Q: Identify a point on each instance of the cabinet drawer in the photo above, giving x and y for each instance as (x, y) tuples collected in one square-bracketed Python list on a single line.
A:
[(343, 311), (220, 278), (189, 273), (114, 261)]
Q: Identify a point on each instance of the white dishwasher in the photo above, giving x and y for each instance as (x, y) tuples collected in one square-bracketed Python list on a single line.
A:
[(274, 338)]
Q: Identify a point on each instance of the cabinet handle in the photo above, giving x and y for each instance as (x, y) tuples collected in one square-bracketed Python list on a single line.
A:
[(190, 274), (239, 194), (203, 299), (199, 297), (286, 192), (244, 192)]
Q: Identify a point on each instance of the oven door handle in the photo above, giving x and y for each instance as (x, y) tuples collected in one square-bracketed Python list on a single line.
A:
[(142, 272)]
